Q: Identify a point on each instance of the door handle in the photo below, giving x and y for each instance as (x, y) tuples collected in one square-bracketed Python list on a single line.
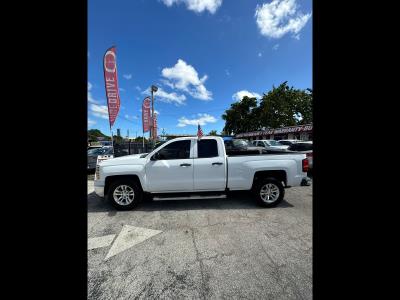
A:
[(185, 165), (217, 163)]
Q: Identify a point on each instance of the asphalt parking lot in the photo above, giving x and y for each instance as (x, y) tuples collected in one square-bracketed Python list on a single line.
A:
[(201, 249)]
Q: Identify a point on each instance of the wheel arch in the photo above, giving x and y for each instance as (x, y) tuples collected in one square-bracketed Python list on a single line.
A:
[(277, 174), (113, 178)]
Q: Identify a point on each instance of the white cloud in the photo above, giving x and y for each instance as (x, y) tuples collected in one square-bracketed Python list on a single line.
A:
[(227, 72), (238, 96), (166, 97), (202, 120), (197, 5), (275, 47), (259, 54), (122, 90), (167, 83), (131, 118), (138, 88), (280, 17), (100, 111), (91, 122), (185, 78), (90, 96), (127, 76)]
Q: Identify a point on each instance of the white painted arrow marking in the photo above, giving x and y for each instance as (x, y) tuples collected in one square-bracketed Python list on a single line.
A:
[(128, 237), (102, 241)]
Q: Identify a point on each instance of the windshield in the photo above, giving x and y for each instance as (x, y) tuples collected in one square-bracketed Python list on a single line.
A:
[(240, 143), (99, 151), (274, 143), (301, 147)]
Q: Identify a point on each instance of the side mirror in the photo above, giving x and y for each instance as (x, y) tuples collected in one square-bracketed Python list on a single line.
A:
[(156, 156)]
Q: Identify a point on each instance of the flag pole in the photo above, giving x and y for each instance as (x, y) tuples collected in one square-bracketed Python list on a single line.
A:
[(112, 140)]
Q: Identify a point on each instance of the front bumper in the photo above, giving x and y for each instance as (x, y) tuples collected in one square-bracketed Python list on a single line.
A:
[(99, 188)]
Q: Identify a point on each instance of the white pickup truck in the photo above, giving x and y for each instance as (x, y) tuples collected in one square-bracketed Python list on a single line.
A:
[(195, 168)]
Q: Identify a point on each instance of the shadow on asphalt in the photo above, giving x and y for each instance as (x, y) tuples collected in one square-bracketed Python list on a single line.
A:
[(239, 200)]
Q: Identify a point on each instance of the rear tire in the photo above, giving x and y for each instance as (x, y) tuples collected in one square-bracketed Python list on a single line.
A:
[(124, 194), (268, 192)]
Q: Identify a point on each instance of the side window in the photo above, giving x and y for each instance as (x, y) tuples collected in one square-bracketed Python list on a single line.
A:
[(207, 148), (260, 144), (175, 150)]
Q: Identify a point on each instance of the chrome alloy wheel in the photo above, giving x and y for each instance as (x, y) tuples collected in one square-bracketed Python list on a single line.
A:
[(123, 195), (269, 193)]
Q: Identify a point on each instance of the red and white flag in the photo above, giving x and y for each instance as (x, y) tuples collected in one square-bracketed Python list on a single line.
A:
[(146, 114), (199, 131), (111, 81)]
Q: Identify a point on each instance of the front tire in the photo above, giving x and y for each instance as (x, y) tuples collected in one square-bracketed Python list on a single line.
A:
[(124, 194), (268, 192)]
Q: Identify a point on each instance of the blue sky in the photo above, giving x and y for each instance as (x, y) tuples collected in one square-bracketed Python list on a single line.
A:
[(203, 55)]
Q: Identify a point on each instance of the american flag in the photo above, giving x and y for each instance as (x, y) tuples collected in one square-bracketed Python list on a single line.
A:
[(199, 131)]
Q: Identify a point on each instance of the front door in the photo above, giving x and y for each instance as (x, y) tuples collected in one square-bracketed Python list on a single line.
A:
[(173, 169)]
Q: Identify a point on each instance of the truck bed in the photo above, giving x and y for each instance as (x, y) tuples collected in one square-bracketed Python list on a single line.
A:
[(241, 168)]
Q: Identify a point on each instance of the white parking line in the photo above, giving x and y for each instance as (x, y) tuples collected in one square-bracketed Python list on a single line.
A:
[(90, 186), (128, 237), (99, 242)]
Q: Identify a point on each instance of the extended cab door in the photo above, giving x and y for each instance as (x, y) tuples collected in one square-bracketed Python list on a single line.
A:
[(172, 171), (209, 166)]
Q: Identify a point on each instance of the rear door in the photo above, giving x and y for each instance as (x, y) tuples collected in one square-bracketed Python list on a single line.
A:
[(209, 166)]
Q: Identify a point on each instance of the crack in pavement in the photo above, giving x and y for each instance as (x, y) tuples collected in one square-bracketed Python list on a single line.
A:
[(204, 285)]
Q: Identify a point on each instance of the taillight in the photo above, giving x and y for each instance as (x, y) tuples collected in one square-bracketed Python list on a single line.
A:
[(305, 165)]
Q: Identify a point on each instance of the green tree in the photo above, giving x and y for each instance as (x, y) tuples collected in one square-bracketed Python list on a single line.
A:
[(280, 107), (94, 134), (140, 139), (277, 107), (240, 117), (285, 106), (213, 132), (118, 139)]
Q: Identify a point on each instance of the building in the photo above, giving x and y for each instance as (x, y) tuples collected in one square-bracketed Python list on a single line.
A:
[(301, 132)]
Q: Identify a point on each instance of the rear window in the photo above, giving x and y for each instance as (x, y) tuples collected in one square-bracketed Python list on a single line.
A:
[(207, 148), (301, 147)]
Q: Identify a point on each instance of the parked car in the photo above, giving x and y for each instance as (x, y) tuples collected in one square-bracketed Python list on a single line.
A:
[(241, 146), (93, 153), (289, 142), (194, 168), (305, 147), (270, 145), (94, 147)]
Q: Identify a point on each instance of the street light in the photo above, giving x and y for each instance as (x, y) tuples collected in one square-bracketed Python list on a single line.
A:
[(153, 90)]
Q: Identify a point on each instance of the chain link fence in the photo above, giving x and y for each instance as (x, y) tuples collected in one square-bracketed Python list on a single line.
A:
[(128, 147)]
